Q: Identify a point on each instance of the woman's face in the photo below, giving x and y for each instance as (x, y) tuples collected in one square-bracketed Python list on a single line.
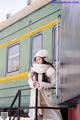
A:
[(39, 60)]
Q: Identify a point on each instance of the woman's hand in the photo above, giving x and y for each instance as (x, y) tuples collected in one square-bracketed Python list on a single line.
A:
[(36, 84)]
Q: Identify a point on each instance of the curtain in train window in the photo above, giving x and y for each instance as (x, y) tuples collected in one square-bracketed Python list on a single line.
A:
[(36, 44), (13, 58)]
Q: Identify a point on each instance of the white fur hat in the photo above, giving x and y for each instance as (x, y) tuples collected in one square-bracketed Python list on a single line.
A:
[(43, 54)]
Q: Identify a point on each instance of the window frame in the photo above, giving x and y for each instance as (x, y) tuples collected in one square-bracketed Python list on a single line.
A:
[(7, 69), (31, 45)]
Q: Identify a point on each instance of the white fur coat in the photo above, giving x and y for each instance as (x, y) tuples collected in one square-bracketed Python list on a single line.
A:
[(44, 91)]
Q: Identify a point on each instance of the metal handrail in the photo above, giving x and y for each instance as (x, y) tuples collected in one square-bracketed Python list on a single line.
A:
[(36, 107), (19, 105), (18, 95)]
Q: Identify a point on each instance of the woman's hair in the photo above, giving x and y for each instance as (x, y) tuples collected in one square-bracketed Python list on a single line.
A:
[(45, 62)]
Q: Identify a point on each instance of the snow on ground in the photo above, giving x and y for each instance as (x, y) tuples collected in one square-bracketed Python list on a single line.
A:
[(16, 118)]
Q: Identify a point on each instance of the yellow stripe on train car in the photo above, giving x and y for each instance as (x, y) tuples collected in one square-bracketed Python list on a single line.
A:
[(22, 37), (10, 78)]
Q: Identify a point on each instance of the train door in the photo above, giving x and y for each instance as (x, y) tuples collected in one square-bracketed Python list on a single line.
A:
[(56, 60), (69, 86)]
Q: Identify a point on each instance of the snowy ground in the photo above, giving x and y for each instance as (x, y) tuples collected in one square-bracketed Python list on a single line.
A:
[(16, 118)]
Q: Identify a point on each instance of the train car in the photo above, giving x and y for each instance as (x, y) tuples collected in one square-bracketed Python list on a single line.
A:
[(69, 51), (69, 72), (50, 25), (21, 36)]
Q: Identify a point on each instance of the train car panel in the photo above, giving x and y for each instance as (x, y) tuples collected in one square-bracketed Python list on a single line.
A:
[(24, 32), (3, 61), (69, 85)]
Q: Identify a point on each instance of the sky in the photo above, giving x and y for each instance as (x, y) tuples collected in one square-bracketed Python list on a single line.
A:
[(10, 6)]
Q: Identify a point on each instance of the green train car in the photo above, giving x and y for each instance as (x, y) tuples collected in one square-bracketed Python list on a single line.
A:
[(21, 36)]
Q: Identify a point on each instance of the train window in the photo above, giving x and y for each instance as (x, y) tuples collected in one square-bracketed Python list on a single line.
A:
[(36, 44), (13, 58)]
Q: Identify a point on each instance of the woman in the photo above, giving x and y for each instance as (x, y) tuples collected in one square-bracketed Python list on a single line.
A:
[(42, 76)]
